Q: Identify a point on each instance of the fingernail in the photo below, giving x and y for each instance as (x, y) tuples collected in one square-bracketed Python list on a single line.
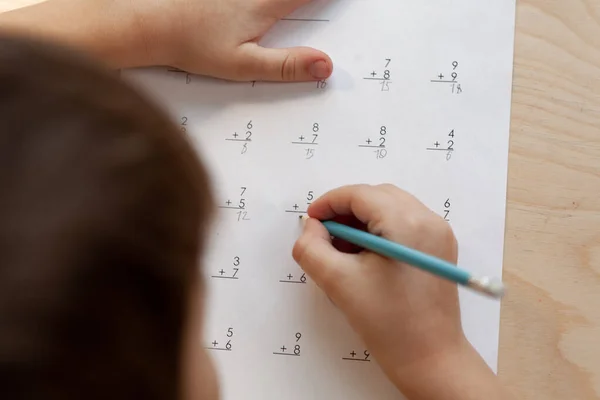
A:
[(319, 69)]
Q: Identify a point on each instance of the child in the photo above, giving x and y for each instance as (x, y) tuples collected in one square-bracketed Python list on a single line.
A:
[(104, 207)]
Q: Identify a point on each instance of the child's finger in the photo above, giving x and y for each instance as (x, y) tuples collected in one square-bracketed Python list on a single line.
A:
[(325, 265), (365, 202), (296, 64)]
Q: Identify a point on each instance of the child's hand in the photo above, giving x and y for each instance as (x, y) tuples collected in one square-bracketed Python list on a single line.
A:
[(208, 37), (409, 319), (219, 38)]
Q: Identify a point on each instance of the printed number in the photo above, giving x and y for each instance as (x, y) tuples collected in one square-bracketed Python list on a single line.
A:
[(310, 196), (303, 278), (297, 350), (298, 336), (388, 61), (248, 135), (228, 345), (450, 144), (382, 132), (315, 127), (242, 203), (447, 203), (386, 74), (455, 64), (321, 84), (236, 261), (235, 271), (243, 190), (230, 332), (367, 355), (454, 76), (451, 134), (184, 124), (315, 136), (249, 126)]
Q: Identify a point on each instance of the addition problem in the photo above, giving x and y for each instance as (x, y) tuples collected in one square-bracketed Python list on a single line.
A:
[(240, 207), (354, 356), (299, 209), (232, 274), (450, 79), (448, 148), (294, 351), (227, 346), (383, 76), (379, 144), (309, 141), (244, 138)]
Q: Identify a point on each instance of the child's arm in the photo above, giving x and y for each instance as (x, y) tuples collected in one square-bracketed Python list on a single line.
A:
[(210, 37), (409, 319)]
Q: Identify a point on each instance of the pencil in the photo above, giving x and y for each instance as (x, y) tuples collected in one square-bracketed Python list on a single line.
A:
[(429, 263)]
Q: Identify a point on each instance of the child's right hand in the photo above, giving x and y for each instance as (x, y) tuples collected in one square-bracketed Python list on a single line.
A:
[(408, 318)]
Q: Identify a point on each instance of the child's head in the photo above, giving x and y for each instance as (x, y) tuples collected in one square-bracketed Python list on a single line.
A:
[(103, 207)]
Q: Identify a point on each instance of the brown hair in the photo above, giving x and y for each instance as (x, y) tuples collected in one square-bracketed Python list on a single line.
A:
[(103, 203)]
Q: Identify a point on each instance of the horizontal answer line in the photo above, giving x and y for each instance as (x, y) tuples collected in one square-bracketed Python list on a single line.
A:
[(440, 149), (232, 208), (306, 143), (371, 146), (292, 282), (356, 359), (295, 212), (444, 81), (286, 354), (217, 348), (224, 277), (377, 79), (239, 140)]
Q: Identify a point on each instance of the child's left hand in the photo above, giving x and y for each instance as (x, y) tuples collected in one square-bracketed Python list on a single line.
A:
[(219, 38)]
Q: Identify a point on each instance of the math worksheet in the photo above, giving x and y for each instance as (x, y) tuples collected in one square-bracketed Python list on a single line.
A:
[(420, 97)]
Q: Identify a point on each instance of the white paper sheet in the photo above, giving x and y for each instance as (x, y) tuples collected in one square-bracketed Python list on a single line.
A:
[(420, 97)]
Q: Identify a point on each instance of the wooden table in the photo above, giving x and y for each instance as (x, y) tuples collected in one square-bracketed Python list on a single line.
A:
[(550, 330)]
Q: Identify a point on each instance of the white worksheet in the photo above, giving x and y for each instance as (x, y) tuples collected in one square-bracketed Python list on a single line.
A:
[(420, 97)]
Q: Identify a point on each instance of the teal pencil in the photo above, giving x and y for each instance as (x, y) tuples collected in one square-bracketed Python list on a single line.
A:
[(434, 265)]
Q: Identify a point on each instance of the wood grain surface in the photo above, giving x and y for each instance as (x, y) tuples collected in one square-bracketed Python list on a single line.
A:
[(550, 330)]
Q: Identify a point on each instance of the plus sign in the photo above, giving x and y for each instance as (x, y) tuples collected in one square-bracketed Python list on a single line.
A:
[(353, 354), (302, 138), (228, 202), (283, 348), (437, 144), (215, 343), (221, 272), (369, 141), (373, 73), (441, 77), (290, 276), (235, 135), (296, 206)]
